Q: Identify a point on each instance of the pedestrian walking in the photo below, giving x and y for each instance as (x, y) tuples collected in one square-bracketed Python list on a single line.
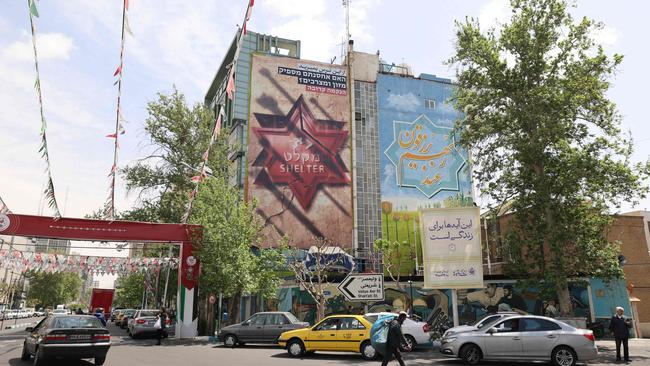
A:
[(161, 325), (620, 326), (394, 339), (99, 314)]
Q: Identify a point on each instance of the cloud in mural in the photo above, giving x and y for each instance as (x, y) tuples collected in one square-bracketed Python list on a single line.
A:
[(403, 102), (389, 176)]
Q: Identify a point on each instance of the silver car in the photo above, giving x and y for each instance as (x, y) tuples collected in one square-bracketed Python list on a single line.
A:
[(143, 323), (479, 323), (522, 338)]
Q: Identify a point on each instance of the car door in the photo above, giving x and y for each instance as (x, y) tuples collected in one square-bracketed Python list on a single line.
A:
[(506, 342), (252, 330), (35, 335), (539, 337), (352, 332), (275, 325), (323, 336)]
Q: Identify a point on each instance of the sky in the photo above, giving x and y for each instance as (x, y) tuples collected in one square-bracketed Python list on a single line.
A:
[(181, 44)]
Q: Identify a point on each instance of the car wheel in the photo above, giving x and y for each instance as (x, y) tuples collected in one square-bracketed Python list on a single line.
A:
[(409, 345), (368, 352), (100, 360), (563, 356), (296, 348), (38, 358), (25, 356), (471, 354), (230, 341)]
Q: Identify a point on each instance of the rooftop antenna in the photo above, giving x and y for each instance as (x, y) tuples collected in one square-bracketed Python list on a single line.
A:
[(346, 4)]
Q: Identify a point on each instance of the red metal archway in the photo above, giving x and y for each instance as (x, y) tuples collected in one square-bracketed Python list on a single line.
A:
[(187, 236)]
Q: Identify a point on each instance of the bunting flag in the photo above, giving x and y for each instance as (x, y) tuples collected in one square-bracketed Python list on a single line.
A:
[(43, 149), (230, 91), (3, 207), (52, 263), (109, 206)]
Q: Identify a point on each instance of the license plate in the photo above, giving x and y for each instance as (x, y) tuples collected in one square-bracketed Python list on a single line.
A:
[(79, 336)]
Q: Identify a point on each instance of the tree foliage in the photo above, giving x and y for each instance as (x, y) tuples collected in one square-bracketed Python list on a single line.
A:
[(128, 290), (231, 229), (51, 289), (546, 139), (178, 136)]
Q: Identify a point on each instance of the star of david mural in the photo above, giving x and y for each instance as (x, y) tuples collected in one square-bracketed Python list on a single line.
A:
[(425, 156), (301, 152)]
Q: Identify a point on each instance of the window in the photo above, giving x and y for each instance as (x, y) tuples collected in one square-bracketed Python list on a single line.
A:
[(487, 319), (257, 319), (430, 103), (537, 325), (509, 326), (292, 318), (351, 323), (276, 319), (76, 322), (330, 324)]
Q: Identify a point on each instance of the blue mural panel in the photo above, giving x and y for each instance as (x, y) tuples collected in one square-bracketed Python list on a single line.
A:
[(421, 162)]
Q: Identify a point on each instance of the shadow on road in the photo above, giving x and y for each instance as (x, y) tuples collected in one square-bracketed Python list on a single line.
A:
[(18, 362)]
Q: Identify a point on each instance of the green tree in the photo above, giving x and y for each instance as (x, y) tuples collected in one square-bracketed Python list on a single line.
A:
[(231, 228), (128, 290), (546, 139), (394, 256), (51, 289), (179, 135)]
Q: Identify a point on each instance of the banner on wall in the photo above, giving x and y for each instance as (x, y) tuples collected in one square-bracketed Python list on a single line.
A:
[(451, 248), (298, 151)]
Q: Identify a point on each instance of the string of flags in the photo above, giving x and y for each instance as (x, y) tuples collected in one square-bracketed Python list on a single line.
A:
[(22, 261), (43, 149), (109, 206), (230, 90)]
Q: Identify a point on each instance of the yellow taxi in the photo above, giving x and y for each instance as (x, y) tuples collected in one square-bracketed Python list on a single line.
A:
[(339, 333)]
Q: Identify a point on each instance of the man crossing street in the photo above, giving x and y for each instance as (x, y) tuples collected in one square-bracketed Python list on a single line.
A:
[(394, 339)]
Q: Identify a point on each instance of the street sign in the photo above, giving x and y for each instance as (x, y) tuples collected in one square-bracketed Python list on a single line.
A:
[(363, 287), (212, 299)]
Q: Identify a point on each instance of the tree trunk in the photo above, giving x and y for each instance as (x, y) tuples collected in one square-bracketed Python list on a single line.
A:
[(235, 316), (320, 308), (564, 297)]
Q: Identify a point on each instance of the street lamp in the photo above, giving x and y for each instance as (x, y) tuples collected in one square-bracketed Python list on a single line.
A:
[(411, 290)]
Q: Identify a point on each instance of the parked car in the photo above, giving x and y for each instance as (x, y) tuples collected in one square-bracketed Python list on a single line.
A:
[(416, 333), (522, 338), (143, 322), (114, 313), (479, 323), (343, 333), (263, 327), (66, 337), (122, 320), (60, 312)]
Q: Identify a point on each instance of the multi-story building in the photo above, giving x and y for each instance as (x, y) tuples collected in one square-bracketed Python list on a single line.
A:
[(52, 246)]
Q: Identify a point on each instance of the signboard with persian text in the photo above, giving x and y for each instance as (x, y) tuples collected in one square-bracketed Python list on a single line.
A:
[(451, 248)]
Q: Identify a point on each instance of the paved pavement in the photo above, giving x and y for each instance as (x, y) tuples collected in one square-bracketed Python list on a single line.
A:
[(126, 351)]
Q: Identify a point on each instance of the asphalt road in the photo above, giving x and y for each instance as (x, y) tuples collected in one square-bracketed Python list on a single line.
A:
[(125, 351)]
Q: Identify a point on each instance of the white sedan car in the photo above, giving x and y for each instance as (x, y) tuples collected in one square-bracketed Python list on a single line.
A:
[(522, 338), (416, 333)]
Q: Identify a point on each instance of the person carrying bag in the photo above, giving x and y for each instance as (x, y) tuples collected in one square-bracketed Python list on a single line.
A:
[(161, 325)]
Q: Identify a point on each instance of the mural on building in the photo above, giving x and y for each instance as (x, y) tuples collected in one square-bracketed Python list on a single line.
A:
[(299, 150), (474, 303), (421, 164)]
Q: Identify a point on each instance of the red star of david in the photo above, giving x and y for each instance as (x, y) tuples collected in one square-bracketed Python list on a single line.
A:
[(301, 154)]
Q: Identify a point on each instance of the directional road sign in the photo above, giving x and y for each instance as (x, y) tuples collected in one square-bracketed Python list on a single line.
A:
[(363, 287)]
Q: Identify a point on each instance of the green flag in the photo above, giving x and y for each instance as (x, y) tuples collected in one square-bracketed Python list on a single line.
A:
[(32, 8)]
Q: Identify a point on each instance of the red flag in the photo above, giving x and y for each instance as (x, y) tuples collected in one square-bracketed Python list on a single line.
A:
[(113, 135), (251, 3), (244, 30), (118, 70), (217, 127), (126, 4), (230, 87), (248, 14), (196, 178), (205, 155)]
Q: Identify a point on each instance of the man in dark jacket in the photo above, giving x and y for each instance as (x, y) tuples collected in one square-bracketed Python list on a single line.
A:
[(394, 339), (620, 327)]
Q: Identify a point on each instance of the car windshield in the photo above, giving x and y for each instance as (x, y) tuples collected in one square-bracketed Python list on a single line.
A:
[(488, 324), (148, 313), (129, 312), (292, 318), (76, 322)]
